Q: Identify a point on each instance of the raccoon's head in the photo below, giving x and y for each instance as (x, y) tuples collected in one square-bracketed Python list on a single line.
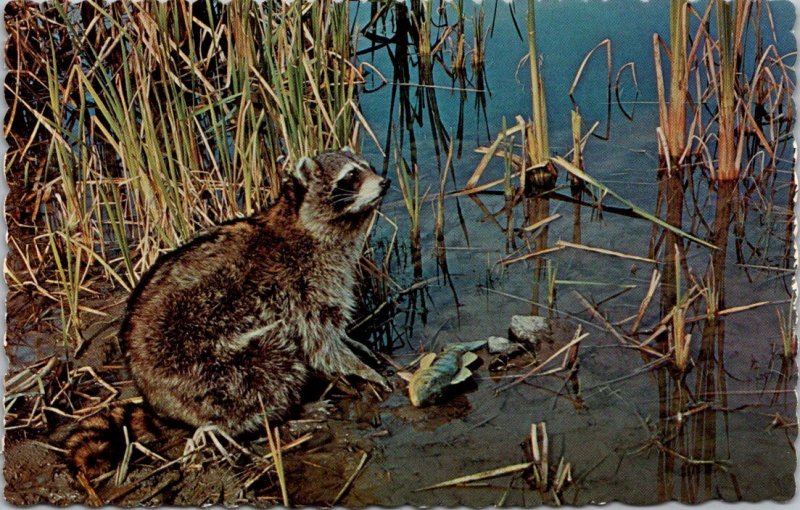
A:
[(341, 190)]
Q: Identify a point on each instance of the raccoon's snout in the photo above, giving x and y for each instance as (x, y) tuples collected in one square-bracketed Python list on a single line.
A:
[(385, 186)]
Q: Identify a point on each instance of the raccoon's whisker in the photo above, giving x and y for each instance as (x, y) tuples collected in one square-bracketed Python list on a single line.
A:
[(343, 199)]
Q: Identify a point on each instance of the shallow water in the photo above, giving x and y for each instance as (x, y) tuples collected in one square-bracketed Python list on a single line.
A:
[(621, 430)]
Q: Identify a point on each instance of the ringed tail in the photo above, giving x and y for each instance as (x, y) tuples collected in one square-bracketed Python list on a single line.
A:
[(98, 443)]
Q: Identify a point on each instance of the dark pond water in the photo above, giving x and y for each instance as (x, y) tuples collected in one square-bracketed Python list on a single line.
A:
[(632, 433)]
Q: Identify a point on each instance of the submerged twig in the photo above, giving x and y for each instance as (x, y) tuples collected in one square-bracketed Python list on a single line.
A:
[(350, 480)]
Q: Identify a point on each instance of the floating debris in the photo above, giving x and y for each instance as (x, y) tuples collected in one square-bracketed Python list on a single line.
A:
[(437, 372)]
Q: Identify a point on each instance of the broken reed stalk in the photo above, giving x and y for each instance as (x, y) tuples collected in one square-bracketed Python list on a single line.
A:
[(488, 154), (540, 468), (607, 44), (681, 341), (679, 77), (478, 39), (540, 451), (350, 480), (483, 475), (572, 169), (540, 454), (537, 370), (536, 133), (604, 251), (727, 168), (577, 147), (459, 64)]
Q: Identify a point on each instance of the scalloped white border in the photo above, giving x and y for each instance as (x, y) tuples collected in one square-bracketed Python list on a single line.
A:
[(794, 503)]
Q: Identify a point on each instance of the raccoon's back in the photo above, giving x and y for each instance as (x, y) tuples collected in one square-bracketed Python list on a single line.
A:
[(214, 285), (99, 441)]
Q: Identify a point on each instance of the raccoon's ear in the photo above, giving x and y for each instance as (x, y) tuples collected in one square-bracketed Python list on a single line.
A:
[(348, 150), (304, 170)]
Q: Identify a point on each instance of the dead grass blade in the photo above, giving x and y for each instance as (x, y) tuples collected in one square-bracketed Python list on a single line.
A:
[(607, 43), (604, 251), (731, 310), (490, 152), (655, 278), (273, 436), (535, 370), (483, 475), (538, 253), (572, 169), (542, 223), (623, 340)]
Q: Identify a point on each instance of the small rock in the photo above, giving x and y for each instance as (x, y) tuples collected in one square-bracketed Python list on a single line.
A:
[(500, 345), (528, 328)]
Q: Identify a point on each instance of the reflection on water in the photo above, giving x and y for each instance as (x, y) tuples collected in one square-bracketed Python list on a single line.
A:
[(636, 428), (536, 210)]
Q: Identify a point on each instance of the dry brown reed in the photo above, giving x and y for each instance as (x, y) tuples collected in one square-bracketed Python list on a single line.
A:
[(133, 126)]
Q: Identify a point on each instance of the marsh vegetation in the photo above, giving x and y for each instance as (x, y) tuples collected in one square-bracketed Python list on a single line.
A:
[(632, 183)]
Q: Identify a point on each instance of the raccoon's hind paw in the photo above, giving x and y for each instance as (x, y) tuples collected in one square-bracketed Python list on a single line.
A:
[(206, 435), (317, 410)]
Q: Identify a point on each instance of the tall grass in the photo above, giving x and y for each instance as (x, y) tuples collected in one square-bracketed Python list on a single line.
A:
[(150, 121)]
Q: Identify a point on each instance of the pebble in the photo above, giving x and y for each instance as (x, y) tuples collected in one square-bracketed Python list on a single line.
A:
[(528, 328), (500, 345)]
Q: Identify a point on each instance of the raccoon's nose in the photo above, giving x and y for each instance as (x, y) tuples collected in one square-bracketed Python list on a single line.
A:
[(385, 186)]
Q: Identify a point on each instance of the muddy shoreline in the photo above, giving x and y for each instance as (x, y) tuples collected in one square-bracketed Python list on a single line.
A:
[(611, 428)]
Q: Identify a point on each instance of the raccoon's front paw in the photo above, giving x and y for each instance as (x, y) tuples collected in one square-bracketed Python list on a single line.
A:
[(338, 359), (361, 349), (369, 374)]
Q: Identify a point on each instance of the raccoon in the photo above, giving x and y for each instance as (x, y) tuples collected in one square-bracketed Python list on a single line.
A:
[(226, 328)]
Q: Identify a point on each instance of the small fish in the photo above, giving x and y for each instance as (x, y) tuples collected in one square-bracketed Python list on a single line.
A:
[(437, 372)]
